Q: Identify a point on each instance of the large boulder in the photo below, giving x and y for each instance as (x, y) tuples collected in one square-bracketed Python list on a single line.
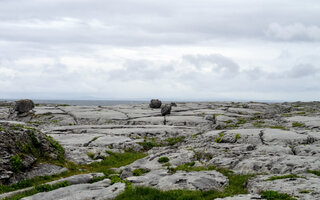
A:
[(155, 103), (23, 106)]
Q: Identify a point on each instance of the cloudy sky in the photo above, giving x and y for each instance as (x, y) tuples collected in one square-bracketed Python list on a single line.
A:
[(177, 50)]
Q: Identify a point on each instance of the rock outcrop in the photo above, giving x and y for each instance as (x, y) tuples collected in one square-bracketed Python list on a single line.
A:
[(20, 147)]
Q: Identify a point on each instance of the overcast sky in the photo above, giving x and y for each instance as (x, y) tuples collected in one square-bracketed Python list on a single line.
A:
[(178, 50)]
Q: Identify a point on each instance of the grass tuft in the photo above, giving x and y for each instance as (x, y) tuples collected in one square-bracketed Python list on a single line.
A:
[(291, 176), (163, 160), (315, 172), (273, 195)]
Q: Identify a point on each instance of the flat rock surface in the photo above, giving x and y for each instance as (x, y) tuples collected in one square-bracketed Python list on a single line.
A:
[(274, 139), (305, 187), (101, 191), (161, 179)]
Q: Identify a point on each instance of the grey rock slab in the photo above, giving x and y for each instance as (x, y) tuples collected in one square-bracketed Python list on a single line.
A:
[(73, 180), (75, 139), (270, 136), (202, 180), (292, 186), (309, 121), (176, 157), (98, 191), (107, 140), (277, 164), (47, 110), (78, 179), (243, 111), (41, 170), (242, 197), (172, 120), (94, 113)]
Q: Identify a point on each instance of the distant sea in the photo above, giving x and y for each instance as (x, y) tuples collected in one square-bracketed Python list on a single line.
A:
[(88, 102), (84, 102)]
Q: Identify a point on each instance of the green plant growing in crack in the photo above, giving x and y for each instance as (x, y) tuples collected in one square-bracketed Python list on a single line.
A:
[(290, 176), (149, 143), (238, 136), (16, 163), (139, 171), (174, 140), (219, 139), (163, 160), (315, 172), (58, 147), (298, 124), (273, 195)]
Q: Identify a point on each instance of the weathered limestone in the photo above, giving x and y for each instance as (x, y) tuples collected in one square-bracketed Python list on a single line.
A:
[(161, 179), (100, 191), (252, 137)]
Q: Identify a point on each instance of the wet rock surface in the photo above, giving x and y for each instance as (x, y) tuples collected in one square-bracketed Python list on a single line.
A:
[(247, 138)]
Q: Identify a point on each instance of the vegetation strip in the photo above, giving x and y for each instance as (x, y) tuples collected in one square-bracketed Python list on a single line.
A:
[(273, 195), (114, 160), (291, 176), (237, 185)]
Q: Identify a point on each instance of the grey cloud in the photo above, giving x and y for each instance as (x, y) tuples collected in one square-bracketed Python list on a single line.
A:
[(217, 63), (302, 71), (140, 70), (295, 31), (149, 23)]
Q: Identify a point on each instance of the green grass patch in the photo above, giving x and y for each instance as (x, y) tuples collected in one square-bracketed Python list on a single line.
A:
[(298, 124), (219, 139), (17, 127), (58, 147), (16, 163), (241, 121), (91, 155), (237, 185), (163, 160), (139, 171), (300, 113), (63, 105), (238, 136), (114, 160), (315, 172), (175, 140), (273, 195), (291, 176), (149, 143), (115, 179)]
